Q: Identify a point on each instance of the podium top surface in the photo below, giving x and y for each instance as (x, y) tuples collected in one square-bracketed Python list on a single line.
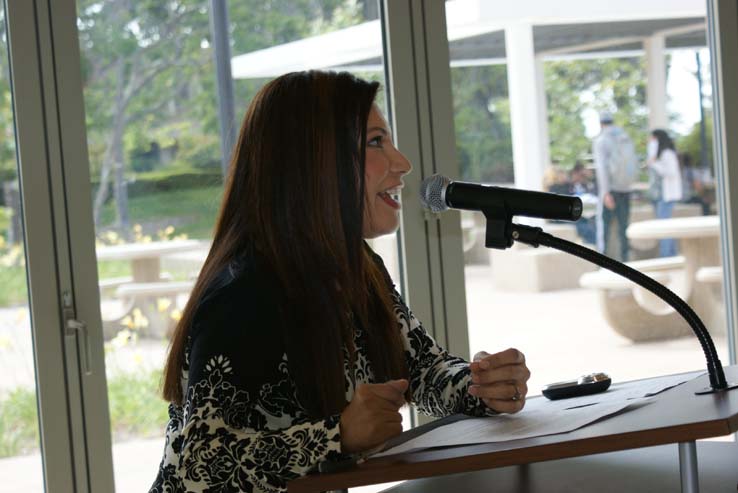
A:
[(675, 415)]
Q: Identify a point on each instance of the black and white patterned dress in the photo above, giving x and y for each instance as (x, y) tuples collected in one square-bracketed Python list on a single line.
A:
[(241, 427)]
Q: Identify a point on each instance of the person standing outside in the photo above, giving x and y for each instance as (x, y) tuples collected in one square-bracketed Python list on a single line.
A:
[(664, 162), (616, 166), (580, 184)]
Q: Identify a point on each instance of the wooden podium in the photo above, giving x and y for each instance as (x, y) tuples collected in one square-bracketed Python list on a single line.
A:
[(676, 416)]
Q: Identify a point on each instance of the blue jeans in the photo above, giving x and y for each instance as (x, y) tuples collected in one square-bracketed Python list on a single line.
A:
[(586, 229), (621, 213), (668, 246)]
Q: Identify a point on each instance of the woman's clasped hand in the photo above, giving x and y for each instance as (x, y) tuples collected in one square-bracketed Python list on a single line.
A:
[(373, 415), (500, 380)]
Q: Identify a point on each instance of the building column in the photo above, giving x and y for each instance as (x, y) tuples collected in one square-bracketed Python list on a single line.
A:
[(528, 111), (656, 81)]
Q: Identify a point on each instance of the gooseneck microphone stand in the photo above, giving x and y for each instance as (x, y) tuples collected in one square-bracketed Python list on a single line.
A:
[(501, 233)]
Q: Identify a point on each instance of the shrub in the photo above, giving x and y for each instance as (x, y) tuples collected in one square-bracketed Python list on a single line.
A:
[(18, 423), (201, 151), (136, 410), (165, 181)]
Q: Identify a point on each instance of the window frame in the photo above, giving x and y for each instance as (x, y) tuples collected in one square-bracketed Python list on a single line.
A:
[(59, 232)]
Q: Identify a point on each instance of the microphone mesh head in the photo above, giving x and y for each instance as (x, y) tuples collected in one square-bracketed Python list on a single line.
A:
[(433, 193)]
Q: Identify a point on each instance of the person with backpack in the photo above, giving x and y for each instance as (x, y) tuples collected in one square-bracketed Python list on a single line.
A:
[(616, 166)]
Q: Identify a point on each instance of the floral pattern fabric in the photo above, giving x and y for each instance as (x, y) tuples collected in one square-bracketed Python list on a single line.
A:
[(242, 429)]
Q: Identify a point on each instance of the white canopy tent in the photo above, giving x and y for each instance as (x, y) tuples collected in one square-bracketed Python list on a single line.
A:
[(523, 35)]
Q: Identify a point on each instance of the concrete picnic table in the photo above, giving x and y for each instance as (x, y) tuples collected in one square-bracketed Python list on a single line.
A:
[(145, 258), (699, 244), (147, 283), (698, 236)]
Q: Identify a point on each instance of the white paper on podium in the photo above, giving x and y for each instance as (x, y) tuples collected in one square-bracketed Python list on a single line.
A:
[(541, 417)]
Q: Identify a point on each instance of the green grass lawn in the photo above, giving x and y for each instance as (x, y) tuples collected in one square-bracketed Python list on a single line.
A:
[(13, 287), (136, 411), (191, 211), (4, 218)]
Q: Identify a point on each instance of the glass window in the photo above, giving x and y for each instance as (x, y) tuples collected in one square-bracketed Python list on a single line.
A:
[(152, 94), (20, 458), (530, 89)]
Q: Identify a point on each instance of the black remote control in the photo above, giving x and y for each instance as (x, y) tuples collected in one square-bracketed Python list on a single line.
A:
[(585, 385)]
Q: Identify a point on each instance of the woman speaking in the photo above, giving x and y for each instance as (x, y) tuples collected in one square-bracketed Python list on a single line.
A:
[(294, 347)]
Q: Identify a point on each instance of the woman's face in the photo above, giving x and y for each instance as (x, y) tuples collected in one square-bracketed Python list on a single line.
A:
[(385, 167)]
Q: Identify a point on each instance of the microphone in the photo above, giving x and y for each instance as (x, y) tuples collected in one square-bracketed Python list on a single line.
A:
[(438, 193)]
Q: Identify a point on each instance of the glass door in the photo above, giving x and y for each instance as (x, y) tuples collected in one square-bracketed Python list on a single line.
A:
[(20, 457), (535, 96), (165, 89)]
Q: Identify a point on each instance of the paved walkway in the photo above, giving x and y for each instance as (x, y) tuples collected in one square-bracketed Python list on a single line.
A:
[(562, 334)]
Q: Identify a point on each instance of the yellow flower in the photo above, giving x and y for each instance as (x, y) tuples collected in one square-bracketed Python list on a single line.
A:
[(127, 321), (112, 237), (176, 315), (139, 320), (162, 304), (121, 339), (5, 342)]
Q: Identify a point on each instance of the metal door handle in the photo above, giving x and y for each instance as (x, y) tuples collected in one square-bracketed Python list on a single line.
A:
[(80, 329)]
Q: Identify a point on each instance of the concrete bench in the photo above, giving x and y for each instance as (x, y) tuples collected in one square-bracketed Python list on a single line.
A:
[(522, 268), (114, 282), (564, 230), (657, 268), (710, 275), (154, 289), (636, 313), (144, 296)]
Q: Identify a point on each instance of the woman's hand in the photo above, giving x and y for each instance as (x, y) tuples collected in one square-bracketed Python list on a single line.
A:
[(500, 380), (372, 417)]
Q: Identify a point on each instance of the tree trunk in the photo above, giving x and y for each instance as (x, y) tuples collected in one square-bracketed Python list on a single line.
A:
[(120, 187), (113, 160), (102, 191)]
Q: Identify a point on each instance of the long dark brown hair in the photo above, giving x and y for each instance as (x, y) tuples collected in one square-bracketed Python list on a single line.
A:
[(664, 141), (295, 195)]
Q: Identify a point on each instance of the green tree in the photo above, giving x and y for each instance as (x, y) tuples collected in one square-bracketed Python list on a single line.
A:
[(138, 57), (256, 25), (482, 122), (149, 77), (617, 85), (482, 111), (7, 126), (692, 143)]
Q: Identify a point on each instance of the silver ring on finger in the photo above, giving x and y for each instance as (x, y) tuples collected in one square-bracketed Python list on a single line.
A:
[(516, 397)]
